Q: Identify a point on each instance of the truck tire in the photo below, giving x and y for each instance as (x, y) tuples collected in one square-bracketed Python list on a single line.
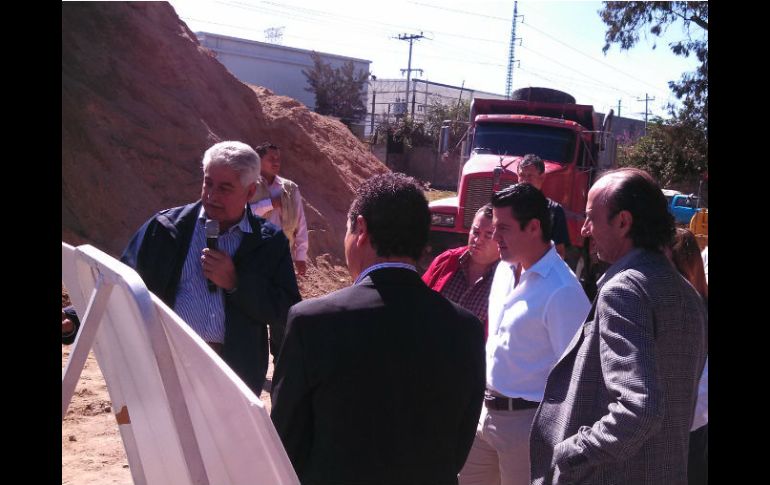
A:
[(544, 95)]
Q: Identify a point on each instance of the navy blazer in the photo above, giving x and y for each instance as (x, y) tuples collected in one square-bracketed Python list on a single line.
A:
[(267, 286), (381, 382)]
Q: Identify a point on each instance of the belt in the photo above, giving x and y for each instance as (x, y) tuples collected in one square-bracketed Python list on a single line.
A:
[(508, 403)]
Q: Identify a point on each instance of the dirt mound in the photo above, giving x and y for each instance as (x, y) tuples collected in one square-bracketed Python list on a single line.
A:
[(141, 102)]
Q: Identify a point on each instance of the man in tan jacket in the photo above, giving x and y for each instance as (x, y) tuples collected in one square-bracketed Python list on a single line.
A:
[(278, 200)]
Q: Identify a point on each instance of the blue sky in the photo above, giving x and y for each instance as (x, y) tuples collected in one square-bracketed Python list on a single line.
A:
[(466, 42)]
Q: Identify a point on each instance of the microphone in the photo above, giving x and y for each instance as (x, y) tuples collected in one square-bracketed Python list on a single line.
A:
[(212, 235)]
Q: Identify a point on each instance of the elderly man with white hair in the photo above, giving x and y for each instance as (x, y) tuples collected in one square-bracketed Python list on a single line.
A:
[(230, 294)]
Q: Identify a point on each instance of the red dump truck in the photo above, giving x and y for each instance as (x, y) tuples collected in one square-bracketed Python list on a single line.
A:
[(572, 139)]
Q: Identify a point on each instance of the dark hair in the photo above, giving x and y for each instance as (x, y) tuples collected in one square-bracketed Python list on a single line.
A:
[(486, 209), (264, 147), (685, 253), (635, 191), (534, 160), (396, 214), (526, 203)]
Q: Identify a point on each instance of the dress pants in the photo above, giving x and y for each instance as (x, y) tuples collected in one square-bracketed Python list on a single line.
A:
[(500, 451), (698, 459)]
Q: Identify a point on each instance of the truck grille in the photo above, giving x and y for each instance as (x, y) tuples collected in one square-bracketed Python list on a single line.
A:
[(479, 192)]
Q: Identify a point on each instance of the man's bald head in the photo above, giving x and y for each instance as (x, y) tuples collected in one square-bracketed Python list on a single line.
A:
[(635, 191)]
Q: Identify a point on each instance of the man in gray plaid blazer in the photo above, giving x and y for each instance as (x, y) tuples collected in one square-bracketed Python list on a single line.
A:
[(618, 405)]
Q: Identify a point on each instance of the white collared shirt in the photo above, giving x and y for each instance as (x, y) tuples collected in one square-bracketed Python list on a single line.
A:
[(701, 416), (531, 324), (265, 206)]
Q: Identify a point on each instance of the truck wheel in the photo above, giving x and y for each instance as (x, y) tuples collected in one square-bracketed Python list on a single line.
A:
[(543, 95)]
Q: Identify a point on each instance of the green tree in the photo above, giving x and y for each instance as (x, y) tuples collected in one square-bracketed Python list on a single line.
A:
[(671, 151), (624, 21), (428, 131), (338, 91), (404, 130), (438, 112)]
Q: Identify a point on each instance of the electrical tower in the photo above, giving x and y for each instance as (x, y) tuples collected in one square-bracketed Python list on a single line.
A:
[(274, 35), (408, 70), (509, 76)]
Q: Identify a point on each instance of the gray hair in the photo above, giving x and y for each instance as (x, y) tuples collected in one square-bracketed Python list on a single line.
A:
[(237, 156)]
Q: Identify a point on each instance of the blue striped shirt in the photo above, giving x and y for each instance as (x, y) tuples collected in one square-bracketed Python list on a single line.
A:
[(204, 310)]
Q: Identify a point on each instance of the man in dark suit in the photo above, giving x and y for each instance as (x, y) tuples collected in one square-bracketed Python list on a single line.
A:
[(381, 382), (619, 403)]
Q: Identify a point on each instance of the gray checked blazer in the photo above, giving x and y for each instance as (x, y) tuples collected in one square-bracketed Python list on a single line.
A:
[(619, 403)]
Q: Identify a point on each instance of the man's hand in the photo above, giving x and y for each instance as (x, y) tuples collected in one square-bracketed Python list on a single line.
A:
[(300, 267), (219, 268), (67, 326), (276, 201)]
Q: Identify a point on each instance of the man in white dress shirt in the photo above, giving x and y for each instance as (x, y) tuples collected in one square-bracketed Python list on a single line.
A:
[(535, 307), (278, 200)]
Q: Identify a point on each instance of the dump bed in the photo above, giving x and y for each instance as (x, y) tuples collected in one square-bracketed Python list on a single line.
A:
[(580, 113)]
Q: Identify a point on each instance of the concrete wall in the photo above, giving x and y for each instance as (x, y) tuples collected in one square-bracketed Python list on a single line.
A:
[(421, 163)]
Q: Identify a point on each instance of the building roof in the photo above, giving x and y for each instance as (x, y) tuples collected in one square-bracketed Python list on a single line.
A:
[(202, 35)]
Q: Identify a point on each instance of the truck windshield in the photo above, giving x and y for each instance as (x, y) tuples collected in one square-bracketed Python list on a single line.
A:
[(549, 143)]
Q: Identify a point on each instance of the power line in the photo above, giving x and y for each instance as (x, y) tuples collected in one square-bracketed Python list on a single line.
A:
[(569, 68), (347, 44), (368, 26), (589, 56), (465, 12)]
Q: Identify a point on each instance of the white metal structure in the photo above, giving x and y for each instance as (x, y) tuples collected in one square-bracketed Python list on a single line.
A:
[(183, 414)]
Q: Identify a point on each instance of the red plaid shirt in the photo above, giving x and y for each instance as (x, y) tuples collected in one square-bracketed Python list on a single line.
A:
[(475, 297)]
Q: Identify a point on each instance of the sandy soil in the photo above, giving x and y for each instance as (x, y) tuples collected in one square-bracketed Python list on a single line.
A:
[(92, 450)]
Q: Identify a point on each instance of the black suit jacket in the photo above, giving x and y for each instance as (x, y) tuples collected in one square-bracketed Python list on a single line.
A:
[(381, 382)]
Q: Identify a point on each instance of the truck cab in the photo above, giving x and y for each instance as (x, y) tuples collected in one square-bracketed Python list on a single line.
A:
[(568, 137)]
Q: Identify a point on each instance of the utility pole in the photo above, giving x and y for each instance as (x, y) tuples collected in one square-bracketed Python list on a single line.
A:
[(374, 96), (509, 77), (414, 91), (411, 39), (646, 100), (619, 108)]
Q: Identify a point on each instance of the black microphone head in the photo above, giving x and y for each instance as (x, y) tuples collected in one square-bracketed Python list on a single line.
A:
[(212, 228)]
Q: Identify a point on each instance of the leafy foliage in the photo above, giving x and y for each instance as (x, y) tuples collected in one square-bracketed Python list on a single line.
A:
[(427, 132), (338, 91), (671, 151), (405, 130), (458, 113), (625, 20)]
